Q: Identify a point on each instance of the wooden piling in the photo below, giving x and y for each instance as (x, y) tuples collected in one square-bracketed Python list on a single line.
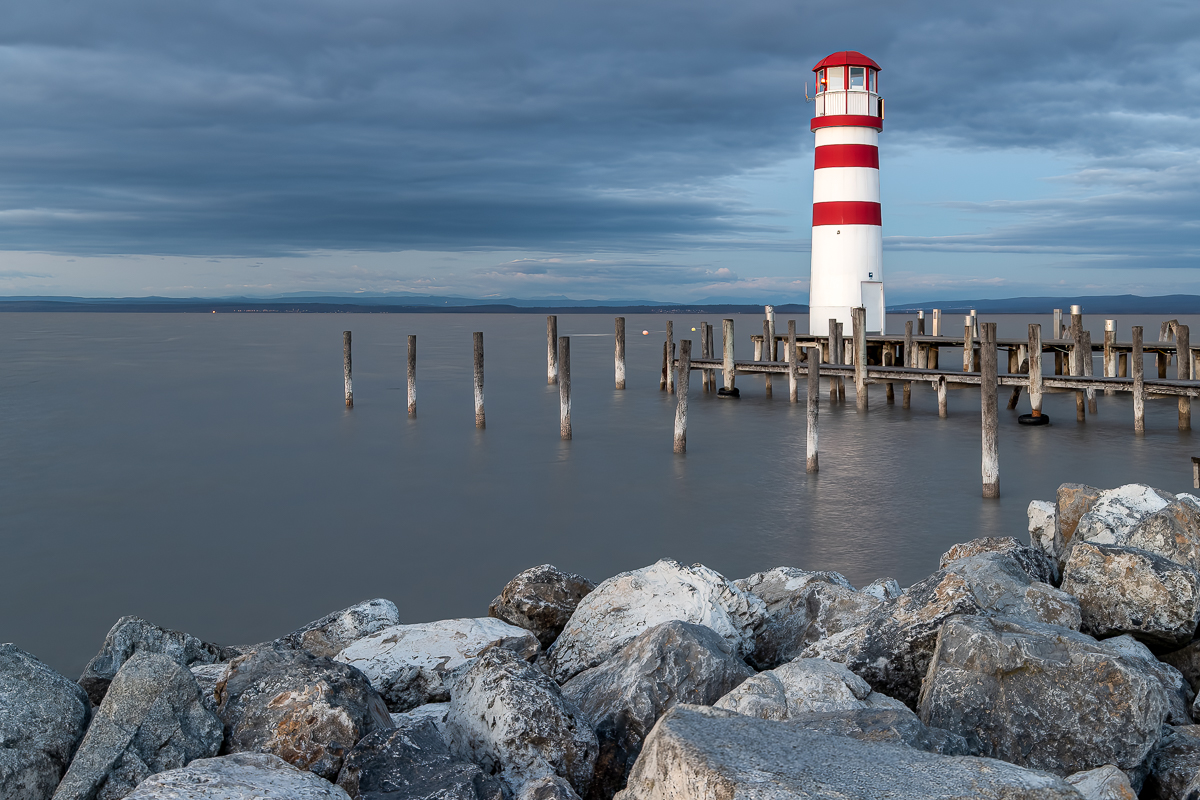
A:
[(662, 380), (619, 351), (1035, 369), (814, 406), (943, 407), (1183, 371), (793, 388), (1077, 363), (987, 387), (937, 322), (920, 323), (835, 350), (347, 372), (1138, 364), (551, 349), (858, 324), (479, 418), (768, 342), (564, 387), (704, 353), (685, 370), (910, 359), (841, 382), (412, 376), (889, 360), (1110, 354), (1089, 366), (727, 352), (968, 344), (931, 356), (712, 373), (670, 358), (772, 350), (1057, 330), (1195, 472), (1123, 365)]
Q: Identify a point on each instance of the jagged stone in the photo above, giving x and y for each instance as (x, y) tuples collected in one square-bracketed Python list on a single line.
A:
[(1036, 564), (803, 686), (412, 761), (1174, 772), (1103, 783), (511, 719), (208, 677), (1146, 518), (241, 776), (892, 649), (43, 716), (1179, 695), (151, 720), (541, 600), (1072, 501), (1130, 590), (1187, 660), (1041, 696), (893, 725), (697, 752), (409, 664), (134, 634), (801, 608), (676, 662), (309, 710), (334, 632), (624, 606), (434, 712), (882, 589), (1043, 529)]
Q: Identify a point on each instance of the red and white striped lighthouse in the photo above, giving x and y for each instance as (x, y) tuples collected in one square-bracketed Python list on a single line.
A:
[(847, 237)]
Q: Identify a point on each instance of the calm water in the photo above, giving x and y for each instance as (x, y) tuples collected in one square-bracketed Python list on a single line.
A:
[(201, 471)]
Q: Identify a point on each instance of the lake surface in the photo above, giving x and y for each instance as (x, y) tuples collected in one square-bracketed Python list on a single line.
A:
[(202, 472)]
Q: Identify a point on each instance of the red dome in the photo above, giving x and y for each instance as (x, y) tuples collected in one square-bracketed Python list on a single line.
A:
[(846, 58)]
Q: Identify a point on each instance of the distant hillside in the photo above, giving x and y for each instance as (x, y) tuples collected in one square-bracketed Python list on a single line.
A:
[(1096, 304)]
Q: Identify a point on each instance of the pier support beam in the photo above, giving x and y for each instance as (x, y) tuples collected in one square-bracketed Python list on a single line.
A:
[(551, 349), (910, 359), (858, 324), (940, 386), (793, 388), (1183, 370), (727, 352), (968, 343), (889, 360), (670, 358), (987, 393), (704, 353), (1138, 365), (835, 350), (1035, 369), (564, 387), (813, 402), (477, 336), (685, 379), (412, 376), (619, 352), (1110, 355), (841, 382), (768, 346), (347, 371), (1088, 369)]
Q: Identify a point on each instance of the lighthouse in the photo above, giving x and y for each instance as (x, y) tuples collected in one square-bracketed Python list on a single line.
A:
[(847, 237)]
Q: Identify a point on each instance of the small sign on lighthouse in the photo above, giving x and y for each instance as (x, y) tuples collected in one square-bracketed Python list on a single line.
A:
[(847, 233)]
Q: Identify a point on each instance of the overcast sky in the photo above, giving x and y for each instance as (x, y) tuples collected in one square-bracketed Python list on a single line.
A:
[(634, 149)]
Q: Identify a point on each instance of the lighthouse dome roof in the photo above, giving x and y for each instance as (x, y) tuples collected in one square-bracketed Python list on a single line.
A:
[(845, 58)]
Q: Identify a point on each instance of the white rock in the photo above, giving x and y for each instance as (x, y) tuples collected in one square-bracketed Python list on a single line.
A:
[(802, 686), (626, 605), (882, 589), (1103, 783), (408, 664), (1043, 528), (241, 776)]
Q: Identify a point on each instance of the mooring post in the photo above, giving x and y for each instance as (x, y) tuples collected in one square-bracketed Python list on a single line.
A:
[(704, 353), (842, 355), (1057, 333), (814, 405), (987, 385), (968, 343), (1183, 371), (910, 359), (1035, 369), (564, 387), (712, 373), (619, 351), (1110, 354), (727, 352), (479, 419), (670, 358), (1138, 366), (1077, 363), (937, 322), (921, 323), (1088, 370), (793, 393), (975, 326), (412, 376), (835, 350), (662, 380), (1166, 333), (889, 360), (772, 346), (768, 339), (858, 324), (1123, 365), (346, 369), (685, 378), (943, 407), (1195, 472), (551, 349)]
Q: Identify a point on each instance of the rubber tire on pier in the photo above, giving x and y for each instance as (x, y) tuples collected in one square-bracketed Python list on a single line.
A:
[(1030, 419), (734, 392)]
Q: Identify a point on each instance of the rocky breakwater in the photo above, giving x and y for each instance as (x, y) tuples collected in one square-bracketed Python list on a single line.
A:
[(1062, 668)]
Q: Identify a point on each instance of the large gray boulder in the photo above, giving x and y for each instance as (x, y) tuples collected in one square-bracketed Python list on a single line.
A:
[(151, 721), (803, 686), (409, 664), (1174, 772), (1146, 518), (892, 649), (624, 606), (42, 719), (676, 662), (134, 634), (892, 725), (334, 632), (241, 776), (511, 719), (697, 752), (1178, 693), (1042, 696), (1103, 783), (1130, 590), (802, 608), (541, 600), (309, 710), (1038, 565), (413, 762)]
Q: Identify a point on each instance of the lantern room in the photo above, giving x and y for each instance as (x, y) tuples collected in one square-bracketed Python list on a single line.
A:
[(848, 84)]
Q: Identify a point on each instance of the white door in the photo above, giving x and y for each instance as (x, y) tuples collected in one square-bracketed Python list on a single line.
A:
[(872, 300)]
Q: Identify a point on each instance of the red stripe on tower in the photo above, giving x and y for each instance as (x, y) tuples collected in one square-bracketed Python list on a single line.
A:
[(847, 212), (847, 155)]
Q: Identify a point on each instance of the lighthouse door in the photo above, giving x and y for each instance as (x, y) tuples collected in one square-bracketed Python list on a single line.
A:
[(872, 300)]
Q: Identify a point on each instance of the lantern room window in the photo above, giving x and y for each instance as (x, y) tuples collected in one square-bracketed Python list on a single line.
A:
[(858, 77), (874, 77), (822, 81)]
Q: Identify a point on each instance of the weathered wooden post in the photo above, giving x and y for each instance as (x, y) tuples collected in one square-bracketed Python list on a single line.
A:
[(479, 418), (974, 326), (921, 323), (910, 359), (814, 405), (1123, 365), (347, 372), (1110, 354), (858, 324), (704, 353), (793, 388), (968, 343), (662, 380), (670, 358), (835, 350), (772, 350), (987, 386), (564, 387), (619, 352), (1056, 334), (1138, 365), (551, 349), (943, 407), (1195, 472), (1076, 364), (1166, 333), (1035, 369), (712, 373), (768, 340), (727, 353), (412, 376), (1183, 369), (937, 322), (1088, 369), (889, 360), (841, 381), (685, 378)]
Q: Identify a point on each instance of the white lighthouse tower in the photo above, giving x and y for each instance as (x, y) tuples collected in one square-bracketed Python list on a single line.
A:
[(847, 237)]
